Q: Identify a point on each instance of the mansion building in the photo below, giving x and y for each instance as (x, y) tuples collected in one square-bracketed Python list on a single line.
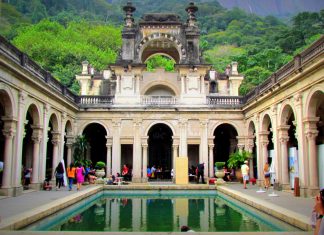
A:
[(143, 118)]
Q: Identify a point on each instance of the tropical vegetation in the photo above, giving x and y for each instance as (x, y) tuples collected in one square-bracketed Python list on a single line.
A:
[(60, 34)]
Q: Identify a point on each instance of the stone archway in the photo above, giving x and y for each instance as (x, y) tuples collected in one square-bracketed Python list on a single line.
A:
[(96, 136), (68, 141), (251, 147), (225, 142), (7, 132), (31, 147), (289, 145), (266, 145), (52, 150), (160, 43), (160, 148), (314, 129)]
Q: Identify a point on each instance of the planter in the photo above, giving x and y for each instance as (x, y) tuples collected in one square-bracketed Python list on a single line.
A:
[(100, 173), (220, 174)]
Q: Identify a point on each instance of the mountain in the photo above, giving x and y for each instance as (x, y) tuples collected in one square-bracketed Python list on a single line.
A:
[(279, 8)]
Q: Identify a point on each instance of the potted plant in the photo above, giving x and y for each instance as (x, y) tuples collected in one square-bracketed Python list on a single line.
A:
[(236, 160), (100, 169), (219, 172)]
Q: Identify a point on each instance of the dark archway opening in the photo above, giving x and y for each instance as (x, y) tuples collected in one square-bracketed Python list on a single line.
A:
[(49, 152), (225, 142), (96, 135), (2, 139), (160, 148)]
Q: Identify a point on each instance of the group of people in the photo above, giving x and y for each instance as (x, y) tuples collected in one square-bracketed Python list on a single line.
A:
[(78, 174), (155, 172)]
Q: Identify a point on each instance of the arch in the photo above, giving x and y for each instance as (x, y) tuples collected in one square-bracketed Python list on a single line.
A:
[(34, 112), (169, 85), (285, 113), (159, 122), (160, 150), (251, 128), (159, 53), (212, 130), (84, 125), (7, 100), (313, 100), (95, 134), (225, 142), (54, 120), (266, 122), (163, 38), (68, 126)]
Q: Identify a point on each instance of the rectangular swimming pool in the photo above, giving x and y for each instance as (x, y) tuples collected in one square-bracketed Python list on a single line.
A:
[(160, 211)]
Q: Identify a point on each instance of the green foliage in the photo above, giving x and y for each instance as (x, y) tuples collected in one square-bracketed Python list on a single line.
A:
[(77, 30), (237, 158), (160, 61), (219, 165), (100, 165), (60, 50), (80, 146)]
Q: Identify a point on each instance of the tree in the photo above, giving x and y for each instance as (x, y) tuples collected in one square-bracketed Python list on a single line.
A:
[(81, 145)]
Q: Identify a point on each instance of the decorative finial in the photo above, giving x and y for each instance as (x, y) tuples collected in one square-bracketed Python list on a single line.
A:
[(191, 10), (129, 9)]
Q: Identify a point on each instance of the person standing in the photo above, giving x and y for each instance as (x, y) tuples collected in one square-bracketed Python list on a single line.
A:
[(59, 174), (201, 168), (79, 175), (245, 173), (71, 175), (266, 171), (319, 213)]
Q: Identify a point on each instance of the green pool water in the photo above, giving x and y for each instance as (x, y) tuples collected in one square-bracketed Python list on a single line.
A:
[(163, 211)]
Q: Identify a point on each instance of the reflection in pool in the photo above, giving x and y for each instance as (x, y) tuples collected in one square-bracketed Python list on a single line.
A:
[(164, 211)]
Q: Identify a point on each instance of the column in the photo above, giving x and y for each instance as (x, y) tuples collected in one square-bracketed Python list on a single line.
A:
[(137, 79), (109, 143), (312, 156), (42, 170), (211, 160), (36, 137), (144, 161), (175, 147), (118, 84), (182, 84), (137, 153), (311, 133), (116, 161), (203, 150), (202, 84), (264, 153), (183, 148), (249, 147), (283, 139), (9, 133), (61, 145), (69, 144), (240, 143), (16, 174), (55, 142)]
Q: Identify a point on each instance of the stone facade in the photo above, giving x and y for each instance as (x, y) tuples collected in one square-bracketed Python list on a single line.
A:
[(40, 118)]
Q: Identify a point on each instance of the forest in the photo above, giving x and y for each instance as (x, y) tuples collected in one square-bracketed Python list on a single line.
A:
[(60, 34)]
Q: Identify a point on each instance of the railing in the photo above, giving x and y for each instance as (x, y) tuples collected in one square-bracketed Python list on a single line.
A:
[(315, 50), (18, 57), (225, 101), (159, 100), (95, 100), (39, 73)]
